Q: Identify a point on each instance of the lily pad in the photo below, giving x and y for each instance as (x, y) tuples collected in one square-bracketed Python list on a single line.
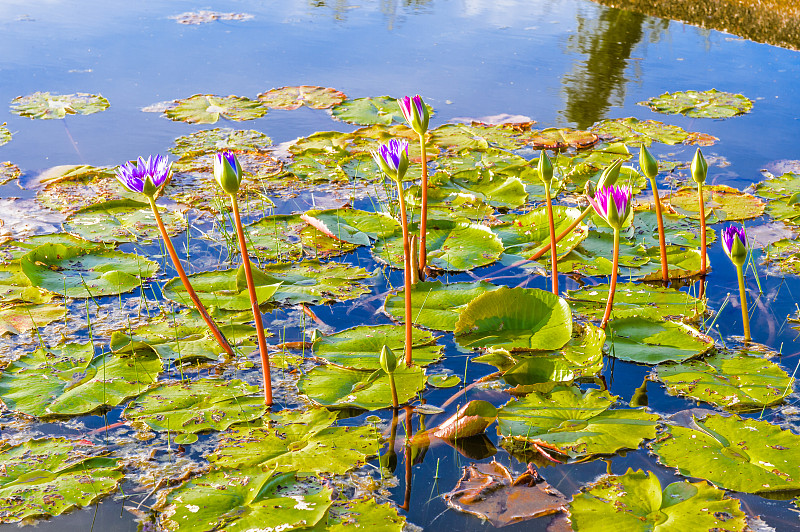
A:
[(736, 381), (524, 319), (637, 133), (284, 237), (208, 109), (337, 387), (443, 381), (47, 106), (122, 221), (574, 423), (21, 318), (71, 187), (783, 194), (682, 263), (561, 138), (499, 191), (224, 289), (631, 299), (734, 453), (785, 255), (318, 167), (526, 234), (360, 347), (365, 513), (700, 104), (47, 477), (70, 380), (635, 502), (206, 404), (679, 230), (15, 287), (304, 442), (220, 139), (250, 499), (352, 225), (593, 256), (435, 305), (313, 282), (366, 111), (653, 341), (460, 137), (76, 271), (5, 138), (290, 98), (723, 203)]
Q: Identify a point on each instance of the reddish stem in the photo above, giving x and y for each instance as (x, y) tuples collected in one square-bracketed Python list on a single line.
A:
[(613, 286), (553, 254), (661, 240), (406, 268), (702, 203), (423, 222)]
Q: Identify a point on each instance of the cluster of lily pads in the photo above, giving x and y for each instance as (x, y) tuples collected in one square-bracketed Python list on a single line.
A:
[(468, 201)]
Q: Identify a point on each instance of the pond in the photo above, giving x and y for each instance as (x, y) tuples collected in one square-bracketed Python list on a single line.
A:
[(518, 76)]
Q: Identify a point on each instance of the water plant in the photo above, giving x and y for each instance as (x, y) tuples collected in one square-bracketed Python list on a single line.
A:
[(148, 177), (649, 167), (614, 205), (699, 169), (228, 173), (389, 365), (392, 159), (734, 242), (546, 175), (417, 115)]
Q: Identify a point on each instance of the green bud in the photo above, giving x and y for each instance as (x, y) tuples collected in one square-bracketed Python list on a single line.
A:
[(388, 360), (610, 175), (699, 167), (545, 168), (228, 172), (647, 163)]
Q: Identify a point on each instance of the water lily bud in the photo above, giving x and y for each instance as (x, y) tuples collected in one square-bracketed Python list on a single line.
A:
[(227, 172), (610, 174), (545, 168), (388, 360), (734, 242), (647, 163), (416, 113), (392, 158), (699, 167)]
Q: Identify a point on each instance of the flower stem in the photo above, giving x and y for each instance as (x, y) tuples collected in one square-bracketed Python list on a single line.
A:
[(553, 254), (220, 338), (743, 303), (406, 267), (423, 221), (661, 241), (702, 205), (251, 289), (613, 286), (393, 388)]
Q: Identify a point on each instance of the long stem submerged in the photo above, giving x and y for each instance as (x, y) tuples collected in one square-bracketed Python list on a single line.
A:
[(251, 289), (218, 336), (661, 240), (613, 286), (553, 254), (743, 303), (423, 221), (407, 267)]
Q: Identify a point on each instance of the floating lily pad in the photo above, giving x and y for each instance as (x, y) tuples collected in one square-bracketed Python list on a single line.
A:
[(5, 138), (46, 105), (122, 221), (435, 305), (637, 133), (653, 341), (447, 203), (785, 255), (47, 477), (352, 225), (679, 230), (290, 98), (366, 111), (323, 141), (341, 387), (77, 271), (593, 256), (734, 453), (318, 167), (700, 104), (220, 139), (460, 137), (21, 318), (250, 499), (360, 347), (526, 234), (723, 203), (284, 237), (15, 287), (737, 381), (524, 319), (682, 263), (365, 513), (70, 187), (70, 380), (635, 502), (224, 289), (783, 193), (631, 299), (208, 109), (305, 442), (561, 138), (443, 381), (206, 404), (452, 246), (575, 423), (499, 191)]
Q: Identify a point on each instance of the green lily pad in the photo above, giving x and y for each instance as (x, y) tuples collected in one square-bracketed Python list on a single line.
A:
[(76, 271), (206, 404), (723, 203), (71, 187), (635, 502), (318, 167), (593, 256), (366, 111), (517, 319), (560, 138), (364, 513), (15, 287), (452, 246), (313, 282), (121, 221), (323, 141), (435, 305), (337, 387), (224, 289), (631, 299), (5, 138), (526, 234), (782, 193), (443, 381), (285, 237), (45, 105), (448, 204), (653, 341), (682, 263), (47, 477), (208, 109), (250, 499), (734, 453), (352, 225), (700, 104), (360, 347), (290, 98), (304, 442), (679, 230), (220, 139), (460, 137), (533, 371), (736, 381), (21, 318), (70, 380), (575, 423), (499, 191), (785, 255), (494, 160), (637, 133)]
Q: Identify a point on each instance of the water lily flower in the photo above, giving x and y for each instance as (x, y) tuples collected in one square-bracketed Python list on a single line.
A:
[(392, 158), (145, 176), (734, 242), (613, 204), (416, 113), (227, 171)]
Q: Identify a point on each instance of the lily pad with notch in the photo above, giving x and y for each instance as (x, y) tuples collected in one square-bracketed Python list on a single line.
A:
[(658, 302), (367, 111), (700, 104), (723, 203), (360, 347), (652, 341), (208, 109), (220, 139)]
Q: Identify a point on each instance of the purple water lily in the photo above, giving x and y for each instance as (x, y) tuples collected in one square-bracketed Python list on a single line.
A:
[(146, 176), (613, 204), (392, 158), (734, 242), (415, 112), (227, 171)]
